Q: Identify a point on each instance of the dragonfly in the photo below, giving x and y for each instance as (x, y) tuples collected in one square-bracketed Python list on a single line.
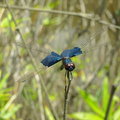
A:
[(65, 57)]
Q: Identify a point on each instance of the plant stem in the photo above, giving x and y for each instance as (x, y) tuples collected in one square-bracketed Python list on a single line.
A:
[(67, 88), (83, 15), (110, 101)]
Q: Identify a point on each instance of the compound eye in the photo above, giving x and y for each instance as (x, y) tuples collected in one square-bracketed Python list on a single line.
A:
[(70, 67), (72, 64)]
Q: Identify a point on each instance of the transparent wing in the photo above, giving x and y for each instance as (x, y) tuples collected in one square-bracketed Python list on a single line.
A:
[(94, 41), (84, 42)]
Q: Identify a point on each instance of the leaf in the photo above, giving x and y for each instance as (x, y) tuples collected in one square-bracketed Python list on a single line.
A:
[(7, 22), (91, 101), (51, 21), (52, 97), (49, 114), (4, 97), (10, 112), (54, 4), (116, 115), (3, 81), (112, 108), (105, 93), (29, 67), (46, 21), (85, 116)]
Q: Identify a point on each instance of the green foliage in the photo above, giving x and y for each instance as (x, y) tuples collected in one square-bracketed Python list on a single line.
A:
[(3, 82), (91, 102), (7, 108), (117, 12), (81, 63), (99, 109), (29, 67), (49, 114), (7, 22), (51, 21), (105, 93), (79, 72), (52, 5), (85, 116), (116, 115), (10, 112), (52, 97), (30, 94)]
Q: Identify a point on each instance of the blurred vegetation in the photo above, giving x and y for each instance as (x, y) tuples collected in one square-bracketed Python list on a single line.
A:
[(98, 104), (26, 94), (7, 107)]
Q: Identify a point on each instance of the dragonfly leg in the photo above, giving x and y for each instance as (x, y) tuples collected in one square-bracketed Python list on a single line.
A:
[(62, 67), (65, 81), (69, 75)]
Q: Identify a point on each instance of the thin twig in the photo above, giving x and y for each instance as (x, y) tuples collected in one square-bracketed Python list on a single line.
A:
[(83, 15), (110, 101), (49, 11), (67, 88), (32, 60)]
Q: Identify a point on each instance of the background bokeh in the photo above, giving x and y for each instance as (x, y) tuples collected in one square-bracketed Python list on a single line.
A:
[(30, 91)]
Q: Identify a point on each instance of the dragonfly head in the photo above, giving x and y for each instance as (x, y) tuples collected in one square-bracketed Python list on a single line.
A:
[(70, 66)]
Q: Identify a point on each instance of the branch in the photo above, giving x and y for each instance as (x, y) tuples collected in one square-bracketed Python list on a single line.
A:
[(83, 15)]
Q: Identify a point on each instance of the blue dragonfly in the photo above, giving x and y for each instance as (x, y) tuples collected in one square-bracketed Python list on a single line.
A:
[(65, 57)]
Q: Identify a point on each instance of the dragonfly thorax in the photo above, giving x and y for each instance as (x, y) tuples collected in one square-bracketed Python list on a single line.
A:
[(68, 64)]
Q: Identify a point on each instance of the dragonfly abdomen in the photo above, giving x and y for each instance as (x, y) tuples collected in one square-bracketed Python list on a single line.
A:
[(68, 64)]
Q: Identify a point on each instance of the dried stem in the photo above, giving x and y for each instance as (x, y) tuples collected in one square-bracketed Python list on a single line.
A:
[(67, 88), (83, 15), (110, 101)]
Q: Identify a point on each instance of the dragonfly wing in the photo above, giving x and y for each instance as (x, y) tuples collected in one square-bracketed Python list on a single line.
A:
[(51, 59), (71, 52)]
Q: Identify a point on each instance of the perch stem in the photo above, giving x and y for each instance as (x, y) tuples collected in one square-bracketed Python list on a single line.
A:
[(67, 88)]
